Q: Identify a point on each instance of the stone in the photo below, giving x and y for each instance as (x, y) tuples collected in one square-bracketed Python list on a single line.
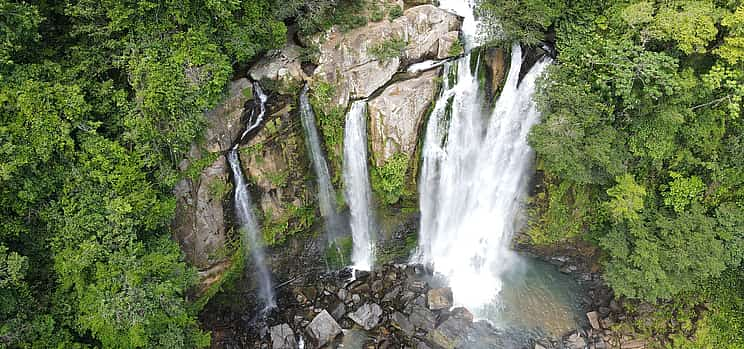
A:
[(417, 286), (323, 329), (342, 294), (377, 286), (593, 317), (280, 70), (397, 114), (355, 298), (495, 59), (282, 337), (400, 321), (347, 62), (392, 295), (538, 346), (367, 316), (338, 310), (449, 334), (462, 313), (224, 121), (604, 311), (421, 318), (439, 298), (575, 341)]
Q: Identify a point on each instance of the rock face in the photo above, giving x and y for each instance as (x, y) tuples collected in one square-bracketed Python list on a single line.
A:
[(397, 114), (348, 60), (276, 164), (496, 64), (280, 70), (323, 329), (199, 223)]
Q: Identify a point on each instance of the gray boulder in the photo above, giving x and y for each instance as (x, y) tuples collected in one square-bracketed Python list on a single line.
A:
[(282, 337), (367, 316), (323, 329)]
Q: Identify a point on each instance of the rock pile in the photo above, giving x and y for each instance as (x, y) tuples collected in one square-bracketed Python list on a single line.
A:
[(397, 306)]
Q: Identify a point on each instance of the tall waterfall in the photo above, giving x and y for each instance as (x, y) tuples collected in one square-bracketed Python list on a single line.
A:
[(474, 177), (326, 194), (250, 231), (356, 182)]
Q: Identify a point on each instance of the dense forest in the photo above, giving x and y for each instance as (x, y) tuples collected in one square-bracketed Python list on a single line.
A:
[(641, 151)]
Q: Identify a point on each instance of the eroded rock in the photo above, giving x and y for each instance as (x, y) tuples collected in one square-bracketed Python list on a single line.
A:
[(323, 329), (367, 316), (280, 70), (440, 298), (282, 337), (397, 114)]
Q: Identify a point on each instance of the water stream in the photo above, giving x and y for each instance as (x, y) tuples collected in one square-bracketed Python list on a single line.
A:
[(357, 187), (326, 193), (250, 231)]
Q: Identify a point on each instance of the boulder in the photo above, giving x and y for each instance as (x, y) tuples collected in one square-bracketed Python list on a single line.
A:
[(397, 114), (323, 329), (367, 316), (449, 334), (446, 42), (593, 317), (282, 337), (633, 344), (440, 298), (348, 60), (421, 318), (400, 321), (280, 70), (575, 341), (495, 59)]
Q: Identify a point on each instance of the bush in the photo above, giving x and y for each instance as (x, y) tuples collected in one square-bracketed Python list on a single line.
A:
[(395, 12), (388, 49), (389, 180)]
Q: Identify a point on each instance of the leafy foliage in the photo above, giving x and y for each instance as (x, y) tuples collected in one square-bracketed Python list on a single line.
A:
[(389, 180), (388, 49)]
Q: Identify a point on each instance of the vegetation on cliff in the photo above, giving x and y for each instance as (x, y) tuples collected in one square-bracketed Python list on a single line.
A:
[(641, 148)]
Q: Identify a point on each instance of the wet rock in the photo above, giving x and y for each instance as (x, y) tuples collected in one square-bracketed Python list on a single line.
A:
[(633, 344), (356, 298), (462, 313), (323, 329), (400, 321), (397, 114), (439, 298), (367, 316), (449, 334), (538, 346), (338, 310), (392, 295), (593, 317), (282, 337), (575, 341), (342, 295), (422, 318)]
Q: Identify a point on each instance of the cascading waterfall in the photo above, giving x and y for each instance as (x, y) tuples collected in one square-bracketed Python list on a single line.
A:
[(244, 211), (249, 231), (474, 177), (356, 182), (326, 193)]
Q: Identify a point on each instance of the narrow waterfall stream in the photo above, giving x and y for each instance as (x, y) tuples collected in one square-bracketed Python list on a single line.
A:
[(250, 231), (357, 187), (326, 193)]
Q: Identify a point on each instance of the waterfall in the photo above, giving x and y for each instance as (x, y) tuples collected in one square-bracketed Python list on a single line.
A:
[(356, 182), (474, 179), (253, 124), (250, 232), (474, 175), (326, 194), (249, 229)]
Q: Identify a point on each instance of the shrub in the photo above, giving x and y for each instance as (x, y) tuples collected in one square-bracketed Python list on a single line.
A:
[(388, 49)]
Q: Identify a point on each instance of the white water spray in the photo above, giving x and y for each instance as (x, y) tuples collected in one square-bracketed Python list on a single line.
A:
[(473, 182), (253, 124), (357, 187)]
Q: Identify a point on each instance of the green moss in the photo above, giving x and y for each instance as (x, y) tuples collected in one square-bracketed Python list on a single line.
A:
[(388, 49), (377, 14), (389, 180), (456, 48), (294, 220), (228, 278), (330, 119), (218, 189), (395, 12), (278, 178), (338, 254), (248, 92)]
